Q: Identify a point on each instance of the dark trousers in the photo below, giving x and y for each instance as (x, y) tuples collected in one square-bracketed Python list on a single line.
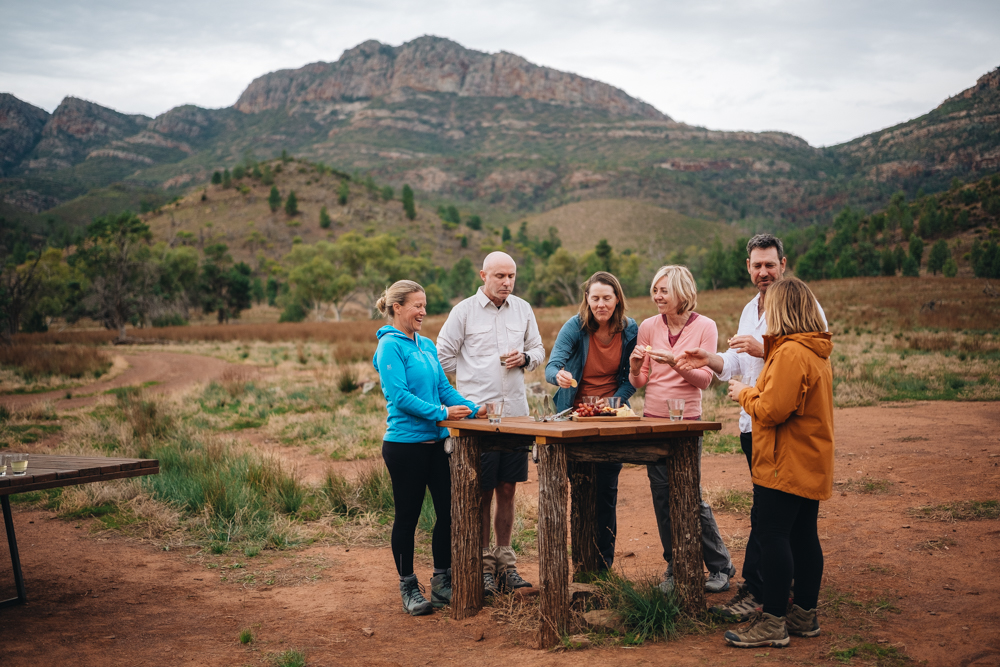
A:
[(714, 550), (413, 468), (789, 542), (606, 520), (751, 558)]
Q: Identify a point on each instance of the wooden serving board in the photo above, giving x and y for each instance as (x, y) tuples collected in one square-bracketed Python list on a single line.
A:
[(607, 419)]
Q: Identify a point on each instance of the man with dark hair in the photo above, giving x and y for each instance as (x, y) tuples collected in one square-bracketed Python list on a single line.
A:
[(766, 263)]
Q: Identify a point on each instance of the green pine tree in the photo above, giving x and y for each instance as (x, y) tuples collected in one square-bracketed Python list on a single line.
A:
[(274, 199), (911, 268), (916, 248), (343, 192), (324, 218), (227, 180), (292, 204), (408, 205), (387, 193), (217, 178), (938, 255), (950, 268)]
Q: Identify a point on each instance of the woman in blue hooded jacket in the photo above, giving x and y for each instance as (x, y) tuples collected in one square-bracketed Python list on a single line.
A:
[(591, 358), (417, 395)]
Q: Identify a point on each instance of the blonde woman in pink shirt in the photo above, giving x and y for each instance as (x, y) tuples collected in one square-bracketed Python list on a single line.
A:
[(677, 327)]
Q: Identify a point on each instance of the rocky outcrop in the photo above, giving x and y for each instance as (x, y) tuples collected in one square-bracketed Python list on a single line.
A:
[(432, 64), (188, 122), (76, 127), (21, 127)]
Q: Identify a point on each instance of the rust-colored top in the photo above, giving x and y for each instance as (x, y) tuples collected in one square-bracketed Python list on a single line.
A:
[(600, 373), (792, 411)]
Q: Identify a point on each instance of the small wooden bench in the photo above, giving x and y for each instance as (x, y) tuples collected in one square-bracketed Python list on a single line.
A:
[(51, 471)]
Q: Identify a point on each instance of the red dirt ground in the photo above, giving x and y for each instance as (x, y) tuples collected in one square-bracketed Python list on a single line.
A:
[(100, 600)]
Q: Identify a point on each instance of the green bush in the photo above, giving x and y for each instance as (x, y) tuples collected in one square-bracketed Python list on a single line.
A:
[(169, 320), (294, 312), (324, 218)]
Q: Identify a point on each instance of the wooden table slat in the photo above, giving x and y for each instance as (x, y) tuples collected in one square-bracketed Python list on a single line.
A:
[(53, 470)]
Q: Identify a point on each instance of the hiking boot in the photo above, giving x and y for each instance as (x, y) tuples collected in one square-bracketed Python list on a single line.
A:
[(489, 584), (441, 589), (764, 630), (718, 582), (740, 607), (667, 585), (800, 622), (511, 580), (414, 602)]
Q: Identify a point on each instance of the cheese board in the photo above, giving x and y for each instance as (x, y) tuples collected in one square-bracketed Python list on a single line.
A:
[(607, 418)]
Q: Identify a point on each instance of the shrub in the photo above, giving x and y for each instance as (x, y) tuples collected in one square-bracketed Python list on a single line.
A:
[(294, 312), (217, 178), (274, 199), (408, 206), (169, 320), (474, 222), (324, 218), (292, 204), (74, 361), (347, 381), (645, 612), (343, 192), (387, 193)]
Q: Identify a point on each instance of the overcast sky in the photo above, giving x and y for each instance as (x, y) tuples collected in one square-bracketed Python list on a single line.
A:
[(826, 71)]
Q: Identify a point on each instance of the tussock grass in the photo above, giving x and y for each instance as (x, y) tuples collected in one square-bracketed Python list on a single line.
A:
[(868, 485), (71, 361), (965, 510), (730, 500), (645, 612)]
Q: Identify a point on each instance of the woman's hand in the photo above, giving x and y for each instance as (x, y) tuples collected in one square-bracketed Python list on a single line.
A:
[(481, 412), (662, 356), (564, 379), (458, 411), (636, 358), (735, 387), (688, 360)]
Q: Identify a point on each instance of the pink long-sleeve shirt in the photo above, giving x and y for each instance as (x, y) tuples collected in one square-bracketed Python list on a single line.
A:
[(663, 381)]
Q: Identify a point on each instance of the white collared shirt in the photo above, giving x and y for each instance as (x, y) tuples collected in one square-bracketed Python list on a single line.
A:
[(471, 341), (734, 362)]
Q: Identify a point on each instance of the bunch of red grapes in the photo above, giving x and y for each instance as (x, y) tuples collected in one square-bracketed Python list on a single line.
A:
[(590, 410)]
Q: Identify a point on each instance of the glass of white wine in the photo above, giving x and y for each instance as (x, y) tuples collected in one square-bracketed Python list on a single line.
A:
[(3, 464), (494, 411), (19, 464), (676, 408)]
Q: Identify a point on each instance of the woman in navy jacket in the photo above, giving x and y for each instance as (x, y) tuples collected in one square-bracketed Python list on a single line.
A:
[(591, 358)]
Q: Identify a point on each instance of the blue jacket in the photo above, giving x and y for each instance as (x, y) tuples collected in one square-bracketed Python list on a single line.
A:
[(570, 352), (415, 387)]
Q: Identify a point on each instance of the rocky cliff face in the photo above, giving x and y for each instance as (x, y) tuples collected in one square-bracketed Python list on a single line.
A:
[(21, 127), (431, 64), (76, 126)]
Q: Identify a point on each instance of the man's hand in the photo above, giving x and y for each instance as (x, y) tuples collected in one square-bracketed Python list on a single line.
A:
[(688, 360), (515, 359), (458, 411), (481, 412), (564, 379), (747, 344), (735, 387)]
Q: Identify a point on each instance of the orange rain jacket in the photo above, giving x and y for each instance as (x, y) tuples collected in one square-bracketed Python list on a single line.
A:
[(792, 412)]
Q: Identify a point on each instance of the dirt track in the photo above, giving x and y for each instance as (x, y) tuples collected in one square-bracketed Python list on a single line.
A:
[(96, 600)]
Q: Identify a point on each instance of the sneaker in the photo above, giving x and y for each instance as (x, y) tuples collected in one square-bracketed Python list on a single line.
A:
[(718, 582), (765, 630), (800, 622), (441, 589), (414, 602), (740, 607), (667, 585), (489, 584), (511, 580)]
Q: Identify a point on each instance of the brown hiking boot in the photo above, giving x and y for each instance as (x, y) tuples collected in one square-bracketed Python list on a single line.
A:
[(764, 630), (800, 622), (740, 607)]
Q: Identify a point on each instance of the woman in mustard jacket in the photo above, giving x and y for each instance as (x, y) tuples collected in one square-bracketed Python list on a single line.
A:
[(792, 468)]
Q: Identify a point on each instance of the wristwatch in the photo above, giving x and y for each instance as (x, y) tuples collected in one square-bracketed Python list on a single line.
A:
[(527, 360)]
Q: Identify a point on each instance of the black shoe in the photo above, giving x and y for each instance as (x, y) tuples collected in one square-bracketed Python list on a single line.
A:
[(511, 580), (490, 587)]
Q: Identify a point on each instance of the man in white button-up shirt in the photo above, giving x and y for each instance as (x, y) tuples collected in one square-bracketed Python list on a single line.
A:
[(489, 325), (766, 263)]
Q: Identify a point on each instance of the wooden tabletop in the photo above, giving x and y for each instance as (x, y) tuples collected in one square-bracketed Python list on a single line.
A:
[(48, 471), (566, 430)]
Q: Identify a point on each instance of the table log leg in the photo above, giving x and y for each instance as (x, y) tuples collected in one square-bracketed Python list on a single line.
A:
[(466, 535), (15, 559), (553, 563), (683, 471), (583, 528)]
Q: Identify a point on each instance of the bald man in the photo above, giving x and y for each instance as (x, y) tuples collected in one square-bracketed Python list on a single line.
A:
[(489, 325)]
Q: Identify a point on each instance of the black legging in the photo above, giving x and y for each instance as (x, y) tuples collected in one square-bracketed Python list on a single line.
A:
[(786, 528), (414, 467)]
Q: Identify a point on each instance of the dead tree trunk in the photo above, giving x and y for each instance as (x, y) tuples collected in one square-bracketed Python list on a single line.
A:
[(552, 559), (583, 528), (466, 554), (684, 474)]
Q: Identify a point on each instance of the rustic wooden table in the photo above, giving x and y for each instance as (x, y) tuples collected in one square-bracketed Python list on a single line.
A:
[(583, 443), (48, 472)]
